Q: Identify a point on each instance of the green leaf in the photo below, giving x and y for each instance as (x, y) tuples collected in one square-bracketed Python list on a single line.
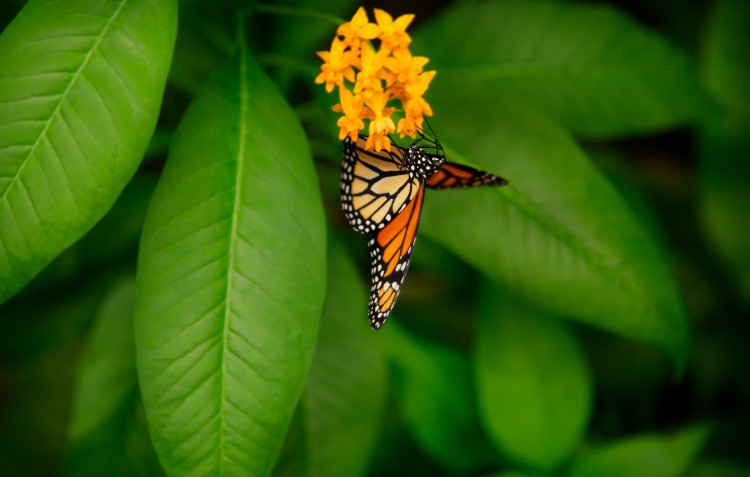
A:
[(435, 395), (588, 66), (108, 431), (231, 279), (559, 235), (342, 406), (725, 142), (534, 386), (102, 251), (726, 64), (78, 103), (645, 455)]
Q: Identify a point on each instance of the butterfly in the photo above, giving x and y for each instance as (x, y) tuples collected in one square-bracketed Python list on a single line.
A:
[(382, 195)]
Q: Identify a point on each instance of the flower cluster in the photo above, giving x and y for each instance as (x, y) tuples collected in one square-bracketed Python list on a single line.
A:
[(368, 79)]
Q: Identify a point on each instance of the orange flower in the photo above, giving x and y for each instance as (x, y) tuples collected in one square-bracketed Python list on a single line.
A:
[(369, 76), (358, 29), (351, 122), (336, 68), (393, 34), (377, 142), (416, 90), (407, 126), (369, 79), (415, 107), (406, 67), (381, 122)]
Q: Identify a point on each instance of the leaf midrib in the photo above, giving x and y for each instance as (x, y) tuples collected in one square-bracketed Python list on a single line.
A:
[(61, 100), (231, 255), (577, 246)]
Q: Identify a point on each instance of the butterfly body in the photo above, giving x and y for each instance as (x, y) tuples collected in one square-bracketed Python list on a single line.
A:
[(421, 164), (382, 195)]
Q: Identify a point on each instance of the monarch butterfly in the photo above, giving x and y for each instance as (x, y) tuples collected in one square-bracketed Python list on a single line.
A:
[(382, 194)]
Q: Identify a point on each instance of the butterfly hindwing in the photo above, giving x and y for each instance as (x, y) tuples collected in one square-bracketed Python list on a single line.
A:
[(452, 175), (390, 254), (374, 186)]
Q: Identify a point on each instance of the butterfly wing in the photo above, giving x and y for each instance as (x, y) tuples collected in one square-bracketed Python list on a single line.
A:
[(452, 175), (390, 254), (374, 186)]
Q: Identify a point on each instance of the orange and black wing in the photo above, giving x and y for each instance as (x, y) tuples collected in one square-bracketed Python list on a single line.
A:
[(375, 187), (452, 175), (390, 254)]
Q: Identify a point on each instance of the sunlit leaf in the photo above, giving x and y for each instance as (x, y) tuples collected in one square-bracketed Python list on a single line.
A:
[(231, 279), (78, 104)]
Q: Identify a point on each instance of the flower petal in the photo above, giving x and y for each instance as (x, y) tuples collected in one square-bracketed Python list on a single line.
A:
[(384, 20), (403, 21)]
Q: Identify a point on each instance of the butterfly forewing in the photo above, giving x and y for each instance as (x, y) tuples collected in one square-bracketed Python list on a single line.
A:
[(452, 175), (374, 186)]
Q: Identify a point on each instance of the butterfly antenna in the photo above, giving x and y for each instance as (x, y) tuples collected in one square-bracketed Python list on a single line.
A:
[(433, 139), (432, 131)]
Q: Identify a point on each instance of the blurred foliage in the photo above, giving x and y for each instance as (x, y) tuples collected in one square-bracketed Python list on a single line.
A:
[(591, 319)]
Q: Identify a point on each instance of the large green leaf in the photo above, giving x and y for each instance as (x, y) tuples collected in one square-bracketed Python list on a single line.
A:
[(589, 66), (535, 389), (80, 91), (646, 455), (231, 279), (341, 409), (108, 432), (435, 394), (559, 235), (725, 142)]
